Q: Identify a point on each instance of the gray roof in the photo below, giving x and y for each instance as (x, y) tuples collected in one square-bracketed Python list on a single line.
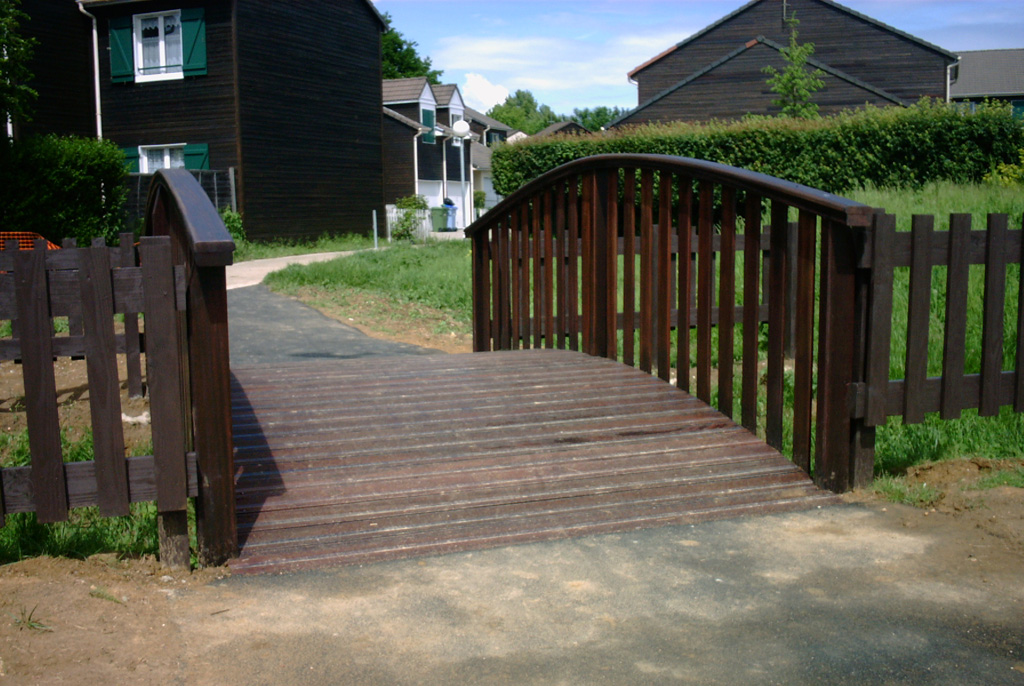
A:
[(443, 93), (989, 73), (567, 126), (831, 3), (481, 156), (489, 122), (404, 90), (402, 119)]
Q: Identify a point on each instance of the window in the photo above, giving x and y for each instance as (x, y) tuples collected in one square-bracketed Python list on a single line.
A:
[(147, 159), (152, 157), (428, 119), (158, 46)]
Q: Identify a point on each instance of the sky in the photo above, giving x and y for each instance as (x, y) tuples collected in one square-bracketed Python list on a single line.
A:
[(577, 53)]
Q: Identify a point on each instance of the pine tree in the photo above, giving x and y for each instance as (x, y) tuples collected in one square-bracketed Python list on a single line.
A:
[(795, 84)]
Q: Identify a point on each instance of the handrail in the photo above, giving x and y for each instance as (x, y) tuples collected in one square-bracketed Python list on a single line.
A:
[(178, 207), (827, 205), (207, 238), (617, 255)]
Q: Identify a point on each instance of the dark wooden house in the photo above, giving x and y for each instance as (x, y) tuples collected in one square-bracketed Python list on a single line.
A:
[(717, 72), (286, 94), (422, 151)]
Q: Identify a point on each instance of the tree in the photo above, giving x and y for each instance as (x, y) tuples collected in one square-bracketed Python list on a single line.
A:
[(15, 53), (595, 119), (520, 111), (399, 57), (795, 84)]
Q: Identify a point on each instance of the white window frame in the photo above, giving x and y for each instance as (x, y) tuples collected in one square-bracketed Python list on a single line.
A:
[(144, 157), (140, 75)]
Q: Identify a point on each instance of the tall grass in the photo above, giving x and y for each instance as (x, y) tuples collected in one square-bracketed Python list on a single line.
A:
[(249, 250)]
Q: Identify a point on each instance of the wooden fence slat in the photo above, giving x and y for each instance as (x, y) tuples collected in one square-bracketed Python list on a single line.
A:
[(646, 270), (538, 290), (992, 329), (548, 265), (164, 373), (751, 307), (492, 306), (104, 388), (1018, 402), (918, 317), (776, 323), (480, 276), (684, 265), (504, 283), (705, 227), (35, 333), (608, 232), (663, 289), (955, 338), (629, 267), (880, 318), (561, 244), (588, 277), (803, 339), (573, 294), (516, 275), (133, 361), (727, 302)]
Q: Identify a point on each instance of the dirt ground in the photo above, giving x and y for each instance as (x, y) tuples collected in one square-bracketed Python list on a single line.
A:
[(106, 621)]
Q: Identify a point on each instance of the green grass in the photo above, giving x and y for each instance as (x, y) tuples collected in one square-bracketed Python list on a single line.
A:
[(436, 274), (1003, 477), (897, 490), (258, 250)]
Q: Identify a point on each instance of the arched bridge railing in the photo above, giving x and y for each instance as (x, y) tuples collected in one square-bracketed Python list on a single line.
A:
[(615, 255)]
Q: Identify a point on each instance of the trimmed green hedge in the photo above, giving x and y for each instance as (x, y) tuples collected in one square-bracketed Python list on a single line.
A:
[(891, 147), (62, 187)]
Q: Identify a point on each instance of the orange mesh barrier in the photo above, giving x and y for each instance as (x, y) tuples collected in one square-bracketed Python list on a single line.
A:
[(26, 239)]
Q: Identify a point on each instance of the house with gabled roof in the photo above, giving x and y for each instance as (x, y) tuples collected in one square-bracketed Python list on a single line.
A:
[(421, 149), (717, 72), (562, 127), (285, 94)]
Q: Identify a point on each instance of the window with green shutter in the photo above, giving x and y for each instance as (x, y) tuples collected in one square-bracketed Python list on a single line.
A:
[(158, 46), (131, 159), (428, 119), (197, 156)]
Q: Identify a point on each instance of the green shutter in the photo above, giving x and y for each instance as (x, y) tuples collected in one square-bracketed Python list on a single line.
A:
[(429, 121), (197, 156), (193, 41), (131, 159), (122, 62)]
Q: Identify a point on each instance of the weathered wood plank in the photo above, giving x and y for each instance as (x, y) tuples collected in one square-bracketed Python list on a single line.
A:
[(992, 328), (751, 307), (918, 316), (646, 270), (705, 228), (776, 294), (684, 236), (663, 287), (727, 302), (629, 267), (803, 318), (36, 331), (104, 387), (880, 319), (954, 340)]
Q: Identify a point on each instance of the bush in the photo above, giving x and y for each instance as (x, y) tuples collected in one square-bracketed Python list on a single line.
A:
[(62, 187), (1006, 174), (405, 228), (233, 223), (885, 148)]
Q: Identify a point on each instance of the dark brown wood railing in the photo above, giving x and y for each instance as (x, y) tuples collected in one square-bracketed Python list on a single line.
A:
[(179, 208), (919, 252), (176, 281), (548, 260)]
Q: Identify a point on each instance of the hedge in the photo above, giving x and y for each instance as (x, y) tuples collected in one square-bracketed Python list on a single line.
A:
[(891, 147), (62, 187)]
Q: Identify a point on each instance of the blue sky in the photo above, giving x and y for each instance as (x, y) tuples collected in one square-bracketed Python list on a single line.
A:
[(576, 53)]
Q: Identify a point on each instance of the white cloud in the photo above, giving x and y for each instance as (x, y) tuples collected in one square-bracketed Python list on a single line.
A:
[(481, 94)]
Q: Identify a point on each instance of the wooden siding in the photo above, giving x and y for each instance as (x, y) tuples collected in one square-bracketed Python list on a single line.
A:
[(191, 110), (62, 67), (309, 83), (738, 87), (399, 174), (864, 50)]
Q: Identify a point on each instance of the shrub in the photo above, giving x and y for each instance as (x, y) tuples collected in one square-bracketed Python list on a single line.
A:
[(882, 147), (1006, 174), (408, 219), (62, 187), (233, 223)]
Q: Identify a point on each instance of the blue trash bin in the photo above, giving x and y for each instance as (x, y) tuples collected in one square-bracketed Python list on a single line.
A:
[(450, 207)]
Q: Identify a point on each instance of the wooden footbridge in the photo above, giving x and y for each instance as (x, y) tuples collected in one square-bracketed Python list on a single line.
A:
[(601, 294)]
